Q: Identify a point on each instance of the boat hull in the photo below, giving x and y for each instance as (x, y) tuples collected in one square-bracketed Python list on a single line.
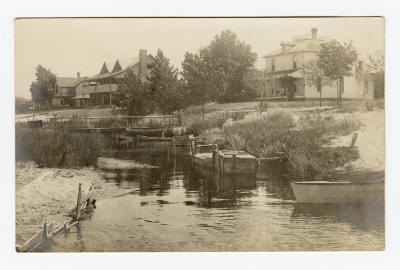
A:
[(338, 192)]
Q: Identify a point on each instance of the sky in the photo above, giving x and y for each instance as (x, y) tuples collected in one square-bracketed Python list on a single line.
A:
[(71, 45)]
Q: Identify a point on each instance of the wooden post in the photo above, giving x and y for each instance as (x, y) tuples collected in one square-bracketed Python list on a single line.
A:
[(219, 163), (234, 163), (66, 226), (223, 166), (174, 144), (213, 158), (354, 139), (78, 203), (45, 231)]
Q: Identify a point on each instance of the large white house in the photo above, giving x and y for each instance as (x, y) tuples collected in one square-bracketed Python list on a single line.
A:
[(285, 72)]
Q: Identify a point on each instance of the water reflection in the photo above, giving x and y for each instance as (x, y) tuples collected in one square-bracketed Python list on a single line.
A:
[(220, 191), (175, 208), (279, 188), (364, 217)]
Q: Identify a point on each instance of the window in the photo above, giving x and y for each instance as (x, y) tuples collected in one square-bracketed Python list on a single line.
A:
[(294, 61), (272, 64)]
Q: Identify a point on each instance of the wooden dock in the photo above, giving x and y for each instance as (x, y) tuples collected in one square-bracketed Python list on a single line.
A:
[(226, 162), (234, 162)]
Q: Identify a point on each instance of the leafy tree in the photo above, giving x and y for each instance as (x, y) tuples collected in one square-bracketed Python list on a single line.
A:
[(133, 95), (220, 69), (336, 60), (254, 82), (42, 89), (164, 84), (315, 77), (376, 62), (195, 74)]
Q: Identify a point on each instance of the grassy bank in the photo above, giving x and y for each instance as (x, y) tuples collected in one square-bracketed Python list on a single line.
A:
[(306, 138), (58, 148)]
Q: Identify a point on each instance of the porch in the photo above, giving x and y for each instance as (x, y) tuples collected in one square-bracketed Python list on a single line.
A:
[(284, 85)]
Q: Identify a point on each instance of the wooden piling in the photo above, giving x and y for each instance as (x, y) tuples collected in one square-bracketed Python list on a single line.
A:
[(234, 163), (78, 203), (45, 231), (218, 163), (214, 153), (223, 166)]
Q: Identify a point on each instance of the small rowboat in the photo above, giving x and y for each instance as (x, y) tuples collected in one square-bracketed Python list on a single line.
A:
[(339, 192)]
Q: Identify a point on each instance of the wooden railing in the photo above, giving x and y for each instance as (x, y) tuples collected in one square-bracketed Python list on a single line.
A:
[(115, 122)]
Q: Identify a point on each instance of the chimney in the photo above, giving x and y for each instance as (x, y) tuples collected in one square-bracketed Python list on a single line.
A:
[(142, 62), (78, 75), (314, 33)]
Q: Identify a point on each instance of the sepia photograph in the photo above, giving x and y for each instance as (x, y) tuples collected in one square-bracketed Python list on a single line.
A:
[(206, 134)]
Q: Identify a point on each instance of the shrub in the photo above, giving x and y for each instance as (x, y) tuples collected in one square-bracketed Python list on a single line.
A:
[(304, 142), (197, 126), (58, 148)]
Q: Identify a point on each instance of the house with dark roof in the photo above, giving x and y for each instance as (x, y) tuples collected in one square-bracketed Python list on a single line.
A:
[(65, 90), (285, 72), (98, 89)]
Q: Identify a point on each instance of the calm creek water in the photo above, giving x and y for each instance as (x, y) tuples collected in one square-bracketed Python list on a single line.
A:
[(171, 208)]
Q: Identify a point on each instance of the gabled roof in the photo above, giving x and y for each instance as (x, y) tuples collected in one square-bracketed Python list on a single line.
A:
[(67, 81), (124, 64), (104, 69), (117, 67), (307, 45), (103, 76)]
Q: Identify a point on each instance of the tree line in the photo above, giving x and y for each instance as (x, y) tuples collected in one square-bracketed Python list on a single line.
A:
[(222, 71)]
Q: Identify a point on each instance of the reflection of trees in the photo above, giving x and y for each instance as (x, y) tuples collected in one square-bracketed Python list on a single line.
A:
[(365, 217)]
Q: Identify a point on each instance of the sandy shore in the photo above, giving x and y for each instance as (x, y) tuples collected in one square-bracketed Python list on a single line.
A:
[(370, 141), (45, 195)]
